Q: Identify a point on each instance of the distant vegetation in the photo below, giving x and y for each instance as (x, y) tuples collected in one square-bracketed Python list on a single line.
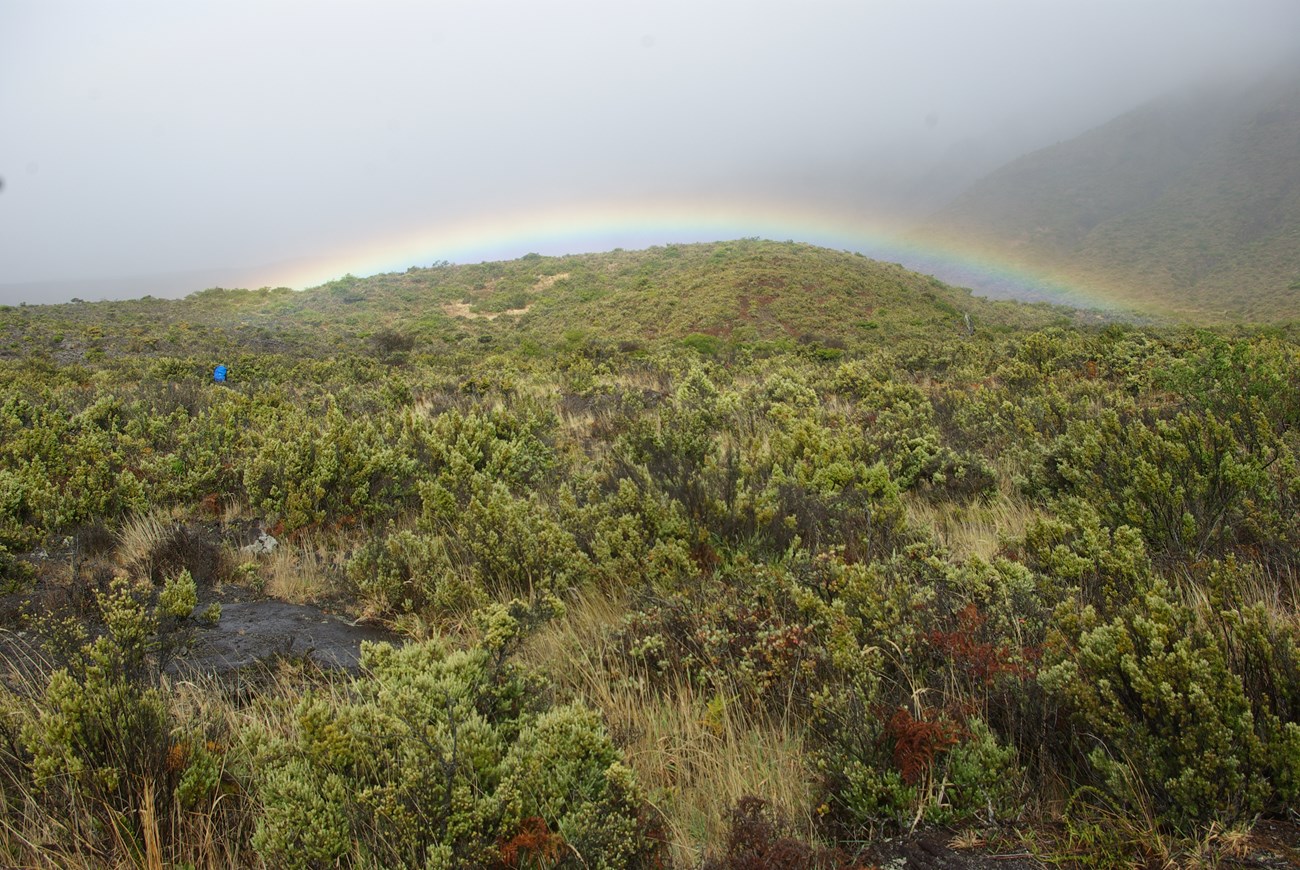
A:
[(746, 294), (1188, 206), (724, 554)]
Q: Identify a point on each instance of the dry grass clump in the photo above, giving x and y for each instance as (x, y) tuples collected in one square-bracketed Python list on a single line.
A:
[(142, 533), (306, 569), (158, 546), (295, 574), (697, 756), (702, 756), (975, 529)]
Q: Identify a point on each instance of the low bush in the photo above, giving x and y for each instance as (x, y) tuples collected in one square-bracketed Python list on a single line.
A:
[(439, 758), (1161, 719), (756, 841), (99, 747)]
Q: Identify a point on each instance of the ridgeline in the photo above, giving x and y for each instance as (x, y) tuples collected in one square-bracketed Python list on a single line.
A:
[(776, 294)]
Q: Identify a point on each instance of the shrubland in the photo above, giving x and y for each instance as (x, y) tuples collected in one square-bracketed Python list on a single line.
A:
[(666, 601)]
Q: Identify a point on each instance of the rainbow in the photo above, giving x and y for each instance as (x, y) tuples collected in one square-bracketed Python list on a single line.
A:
[(596, 227)]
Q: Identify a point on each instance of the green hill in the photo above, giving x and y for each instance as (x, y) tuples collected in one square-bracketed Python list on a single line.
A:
[(1189, 205), (710, 295)]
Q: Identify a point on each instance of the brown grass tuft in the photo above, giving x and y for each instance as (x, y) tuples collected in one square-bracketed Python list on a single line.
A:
[(696, 756)]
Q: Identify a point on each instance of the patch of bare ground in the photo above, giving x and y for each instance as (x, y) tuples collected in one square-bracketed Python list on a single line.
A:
[(253, 629), (940, 849), (254, 626), (546, 282), (462, 309), (465, 309), (1272, 843)]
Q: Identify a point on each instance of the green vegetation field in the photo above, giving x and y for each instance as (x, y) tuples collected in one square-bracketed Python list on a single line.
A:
[(735, 555)]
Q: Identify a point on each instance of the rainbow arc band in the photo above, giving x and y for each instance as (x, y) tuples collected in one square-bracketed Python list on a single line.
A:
[(600, 227)]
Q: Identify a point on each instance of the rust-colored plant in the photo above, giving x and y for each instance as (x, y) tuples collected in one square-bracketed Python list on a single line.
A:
[(918, 742), (534, 845), (981, 659)]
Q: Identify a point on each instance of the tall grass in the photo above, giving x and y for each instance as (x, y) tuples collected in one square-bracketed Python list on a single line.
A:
[(305, 569), (696, 755), (142, 534), (975, 529)]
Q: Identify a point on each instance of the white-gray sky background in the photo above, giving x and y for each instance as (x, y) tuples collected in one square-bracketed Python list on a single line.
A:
[(141, 137)]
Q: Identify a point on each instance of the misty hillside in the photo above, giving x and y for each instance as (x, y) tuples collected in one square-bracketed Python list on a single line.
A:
[(1189, 205), (706, 294)]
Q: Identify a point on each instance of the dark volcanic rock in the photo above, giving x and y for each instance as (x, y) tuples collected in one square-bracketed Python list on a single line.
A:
[(251, 631)]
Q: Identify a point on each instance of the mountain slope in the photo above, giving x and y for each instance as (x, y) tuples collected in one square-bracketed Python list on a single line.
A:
[(1188, 205)]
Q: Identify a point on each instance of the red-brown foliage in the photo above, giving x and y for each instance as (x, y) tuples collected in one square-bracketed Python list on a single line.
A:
[(534, 845), (918, 742), (980, 659), (755, 842)]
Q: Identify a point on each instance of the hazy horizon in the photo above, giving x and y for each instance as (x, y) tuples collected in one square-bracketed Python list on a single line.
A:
[(147, 141)]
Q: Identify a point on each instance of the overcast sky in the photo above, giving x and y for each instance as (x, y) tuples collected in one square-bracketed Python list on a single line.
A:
[(170, 136)]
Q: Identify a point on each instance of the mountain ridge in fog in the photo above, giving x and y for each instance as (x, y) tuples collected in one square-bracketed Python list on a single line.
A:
[(1189, 204)]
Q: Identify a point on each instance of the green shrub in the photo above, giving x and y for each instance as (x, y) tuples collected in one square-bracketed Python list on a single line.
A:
[(564, 769), (932, 700), (435, 758), (101, 739), (632, 538), (1074, 555), (14, 573), (747, 635), (329, 468), (892, 774), (1196, 486), (1161, 719), (410, 572)]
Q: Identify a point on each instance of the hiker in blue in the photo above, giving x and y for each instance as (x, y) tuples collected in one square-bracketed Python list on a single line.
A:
[(219, 374)]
